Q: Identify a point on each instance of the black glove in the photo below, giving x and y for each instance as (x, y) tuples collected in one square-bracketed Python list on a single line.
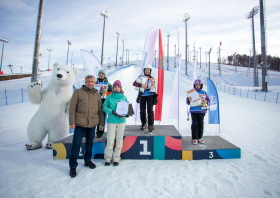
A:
[(127, 116), (114, 113)]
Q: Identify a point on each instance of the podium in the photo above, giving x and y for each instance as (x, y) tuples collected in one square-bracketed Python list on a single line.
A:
[(215, 147), (164, 143)]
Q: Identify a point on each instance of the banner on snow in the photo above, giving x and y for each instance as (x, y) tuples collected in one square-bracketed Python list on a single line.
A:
[(214, 110), (93, 65)]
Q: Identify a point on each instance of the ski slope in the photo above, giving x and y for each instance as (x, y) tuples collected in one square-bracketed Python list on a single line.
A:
[(249, 124)]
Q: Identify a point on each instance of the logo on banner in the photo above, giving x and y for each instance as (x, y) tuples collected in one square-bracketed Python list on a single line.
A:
[(161, 62), (213, 103), (145, 58)]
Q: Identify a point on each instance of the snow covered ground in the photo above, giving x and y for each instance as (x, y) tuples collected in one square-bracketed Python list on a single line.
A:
[(249, 124)]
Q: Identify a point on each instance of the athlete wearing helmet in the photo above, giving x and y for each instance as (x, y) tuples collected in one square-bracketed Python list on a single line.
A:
[(146, 98), (197, 114)]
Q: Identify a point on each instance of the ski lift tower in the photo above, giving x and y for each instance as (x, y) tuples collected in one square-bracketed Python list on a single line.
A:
[(251, 15)]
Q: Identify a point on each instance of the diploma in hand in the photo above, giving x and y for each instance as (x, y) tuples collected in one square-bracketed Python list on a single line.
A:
[(122, 108), (196, 100)]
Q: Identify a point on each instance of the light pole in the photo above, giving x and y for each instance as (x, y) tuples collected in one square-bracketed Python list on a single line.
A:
[(128, 56), (118, 33), (175, 56), (10, 67), (206, 58), (105, 14), (167, 34), (200, 56), (71, 58), (49, 49), (219, 66), (69, 43), (37, 42), (209, 60), (251, 14), (122, 51), (263, 47), (4, 41), (188, 53), (126, 51), (186, 17), (234, 55)]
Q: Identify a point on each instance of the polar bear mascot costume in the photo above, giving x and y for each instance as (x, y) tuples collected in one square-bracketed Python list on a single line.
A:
[(54, 102)]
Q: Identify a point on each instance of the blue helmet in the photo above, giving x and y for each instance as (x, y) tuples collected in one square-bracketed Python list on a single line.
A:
[(198, 82)]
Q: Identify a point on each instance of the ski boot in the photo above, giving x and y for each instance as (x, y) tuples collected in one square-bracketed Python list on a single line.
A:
[(143, 127), (151, 128)]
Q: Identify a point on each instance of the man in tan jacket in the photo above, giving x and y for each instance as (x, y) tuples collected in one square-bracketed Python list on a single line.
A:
[(85, 113)]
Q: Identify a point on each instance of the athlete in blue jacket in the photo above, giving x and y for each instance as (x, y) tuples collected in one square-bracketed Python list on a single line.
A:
[(198, 114)]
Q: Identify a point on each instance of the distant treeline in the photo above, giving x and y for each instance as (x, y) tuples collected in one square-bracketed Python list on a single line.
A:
[(244, 60)]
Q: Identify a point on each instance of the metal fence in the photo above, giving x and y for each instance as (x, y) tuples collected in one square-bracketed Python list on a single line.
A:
[(14, 96), (252, 94)]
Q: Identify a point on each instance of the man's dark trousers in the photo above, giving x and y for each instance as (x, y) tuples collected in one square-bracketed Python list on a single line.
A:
[(76, 144)]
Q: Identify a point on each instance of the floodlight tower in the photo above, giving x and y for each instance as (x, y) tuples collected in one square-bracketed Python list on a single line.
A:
[(49, 49), (209, 60), (4, 41), (175, 56), (118, 33), (71, 58), (105, 14), (263, 47), (122, 51), (168, 35), (234, 56), (186, 17), (10, 67), (69, 43), (219, 60), (126, 51), (251, 14), (206, 58)]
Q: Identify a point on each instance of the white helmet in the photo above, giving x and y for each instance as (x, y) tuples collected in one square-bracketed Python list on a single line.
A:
[(147, 66)]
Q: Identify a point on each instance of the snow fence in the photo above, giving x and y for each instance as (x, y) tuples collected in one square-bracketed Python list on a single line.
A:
[(14, 96)]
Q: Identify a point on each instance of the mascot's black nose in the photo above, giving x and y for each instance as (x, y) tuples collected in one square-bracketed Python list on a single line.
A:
[(59, 75)]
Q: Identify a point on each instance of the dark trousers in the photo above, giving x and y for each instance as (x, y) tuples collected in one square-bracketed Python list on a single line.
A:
[(197, 125), (149, 101), (101, 132), (76, 144)]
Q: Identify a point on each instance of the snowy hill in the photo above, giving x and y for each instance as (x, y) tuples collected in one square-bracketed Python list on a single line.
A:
[(249, 124)]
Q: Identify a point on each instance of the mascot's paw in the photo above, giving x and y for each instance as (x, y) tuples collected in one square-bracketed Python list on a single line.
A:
[(35, 87), (49, 145), (33, 145), (34, 92)]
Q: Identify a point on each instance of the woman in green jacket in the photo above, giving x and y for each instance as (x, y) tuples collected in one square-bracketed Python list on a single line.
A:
[(115, 125)]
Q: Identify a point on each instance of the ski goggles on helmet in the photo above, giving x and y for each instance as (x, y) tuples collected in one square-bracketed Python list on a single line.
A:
[(197, 82)]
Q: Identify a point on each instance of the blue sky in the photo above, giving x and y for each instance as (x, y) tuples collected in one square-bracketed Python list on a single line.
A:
[(211, 21)]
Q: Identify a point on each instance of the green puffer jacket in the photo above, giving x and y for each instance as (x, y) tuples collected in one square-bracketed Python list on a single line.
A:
[(110, 105)]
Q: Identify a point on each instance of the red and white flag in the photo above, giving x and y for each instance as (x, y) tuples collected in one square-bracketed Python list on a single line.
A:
[(160, 85)]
